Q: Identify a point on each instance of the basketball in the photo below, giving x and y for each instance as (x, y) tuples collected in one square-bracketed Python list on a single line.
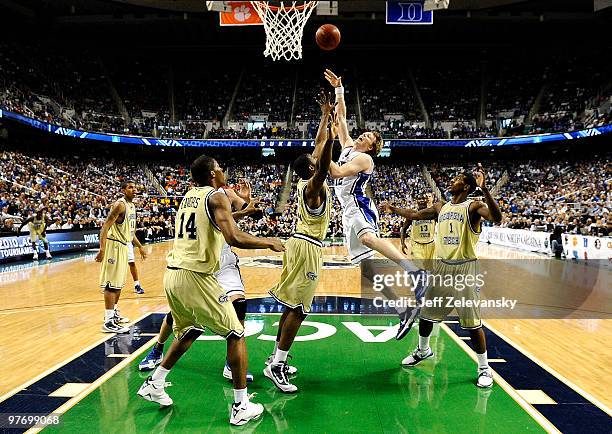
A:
[(328, 37)]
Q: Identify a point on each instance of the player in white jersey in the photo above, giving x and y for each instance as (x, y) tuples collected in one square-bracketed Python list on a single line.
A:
[(359, 214)]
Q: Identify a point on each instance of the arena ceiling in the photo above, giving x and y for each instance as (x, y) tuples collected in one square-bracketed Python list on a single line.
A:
[(103, 7)]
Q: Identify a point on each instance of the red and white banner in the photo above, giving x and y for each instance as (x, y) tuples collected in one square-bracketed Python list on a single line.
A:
[(242, 14)]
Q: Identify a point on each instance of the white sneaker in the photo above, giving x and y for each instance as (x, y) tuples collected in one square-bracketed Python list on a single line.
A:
[(35, 257), (417, 357), (111, 326), (485, 378), (291, 370), (277, 372), (48, 255), (154, 391), (241, 413), (120, 319), (227, 374)]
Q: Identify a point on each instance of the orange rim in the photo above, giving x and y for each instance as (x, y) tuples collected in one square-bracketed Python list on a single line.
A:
[(286, 8)]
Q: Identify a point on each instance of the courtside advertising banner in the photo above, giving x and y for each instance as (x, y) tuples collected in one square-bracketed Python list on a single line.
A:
[(20, 247), (517, 238)]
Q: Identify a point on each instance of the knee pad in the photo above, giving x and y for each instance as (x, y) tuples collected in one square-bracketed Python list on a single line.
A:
[(169, 319), (240, 306)]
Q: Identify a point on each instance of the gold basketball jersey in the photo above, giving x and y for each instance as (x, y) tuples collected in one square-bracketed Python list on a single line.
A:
[(313, 223), (455, 237), (38, 226), (124, 231), (422, 231), (197, 238)]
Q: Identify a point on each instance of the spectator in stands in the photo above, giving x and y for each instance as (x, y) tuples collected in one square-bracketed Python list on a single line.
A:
[(8, 227)]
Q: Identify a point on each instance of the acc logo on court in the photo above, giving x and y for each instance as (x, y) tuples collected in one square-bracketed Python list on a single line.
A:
[(311, 275)]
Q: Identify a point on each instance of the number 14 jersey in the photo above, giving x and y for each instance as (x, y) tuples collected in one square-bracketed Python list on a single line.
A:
[(197, 238)]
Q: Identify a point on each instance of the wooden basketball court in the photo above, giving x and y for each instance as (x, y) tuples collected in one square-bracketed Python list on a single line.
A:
[(53, 311)]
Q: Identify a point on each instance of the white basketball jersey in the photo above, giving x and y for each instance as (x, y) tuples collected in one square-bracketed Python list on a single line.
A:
[(353, 187)]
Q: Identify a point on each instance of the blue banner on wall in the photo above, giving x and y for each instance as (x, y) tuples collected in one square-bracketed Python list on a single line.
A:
[(410, 13), (20, 247), (293, 143)]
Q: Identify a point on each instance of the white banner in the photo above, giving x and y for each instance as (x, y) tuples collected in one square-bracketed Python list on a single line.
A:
[(581, 247), (517, 238)]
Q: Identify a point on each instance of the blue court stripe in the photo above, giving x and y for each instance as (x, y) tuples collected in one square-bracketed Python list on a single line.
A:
[(573, 413), (84, 369)]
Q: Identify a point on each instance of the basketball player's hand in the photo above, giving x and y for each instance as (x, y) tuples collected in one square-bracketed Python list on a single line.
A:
[(100, 256), (252, 206), (386, 208), (332, 128), (480, 176), (276, 245), (333, 79), (244, 190), (403, 241), (143, 254), (324, 101)]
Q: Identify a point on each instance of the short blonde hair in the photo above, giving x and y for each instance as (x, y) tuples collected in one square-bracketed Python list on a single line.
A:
[(377, 145)]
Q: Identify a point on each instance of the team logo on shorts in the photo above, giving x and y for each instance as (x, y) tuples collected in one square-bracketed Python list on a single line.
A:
[(223, 298), (311, 275), (111, 261)]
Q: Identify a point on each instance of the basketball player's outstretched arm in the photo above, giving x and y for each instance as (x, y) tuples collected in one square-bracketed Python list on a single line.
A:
[(25, 222), (361, 163), (343, 132), (413, 214), (327, 108), (315, 184), (244, 208), (116, 211), (489, 210), (220, 206), (403, 231)]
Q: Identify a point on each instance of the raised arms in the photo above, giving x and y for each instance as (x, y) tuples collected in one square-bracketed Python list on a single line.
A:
[(324, 101), (343, 132), (220, 206), (489, 210), (315, 184)]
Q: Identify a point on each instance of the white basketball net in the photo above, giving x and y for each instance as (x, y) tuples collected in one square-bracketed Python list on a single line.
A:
[(284, 26)]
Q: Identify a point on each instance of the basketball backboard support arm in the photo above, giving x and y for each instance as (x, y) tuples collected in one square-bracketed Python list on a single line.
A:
[(327, 8), (218, 6), (432, 5)]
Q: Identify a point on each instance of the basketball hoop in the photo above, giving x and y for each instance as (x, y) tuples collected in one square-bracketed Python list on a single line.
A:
[(284, 26)]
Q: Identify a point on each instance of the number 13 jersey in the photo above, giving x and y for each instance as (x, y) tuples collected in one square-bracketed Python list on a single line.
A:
[(197, 238)]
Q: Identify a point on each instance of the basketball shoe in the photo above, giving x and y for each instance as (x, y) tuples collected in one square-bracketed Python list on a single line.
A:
[(485, 378), (151, 360), (138, 289), (227, 373), (111, 326), (243, 412), (120, 319), (277, 372), (154, 391), (291, 370), (417, 356)]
